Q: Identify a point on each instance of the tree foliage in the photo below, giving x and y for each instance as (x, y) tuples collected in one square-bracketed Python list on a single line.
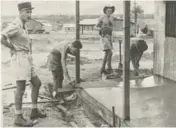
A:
[(137, 10)]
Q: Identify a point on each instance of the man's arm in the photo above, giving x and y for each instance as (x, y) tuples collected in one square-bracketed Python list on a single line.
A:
[(133, 57), (115, 18), (138, 59), (5, 42), (7, 33), (64, 66), (99, 24)]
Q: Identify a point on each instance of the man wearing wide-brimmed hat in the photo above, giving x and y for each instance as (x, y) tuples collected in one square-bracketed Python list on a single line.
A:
[(105, 27), (16, 38)]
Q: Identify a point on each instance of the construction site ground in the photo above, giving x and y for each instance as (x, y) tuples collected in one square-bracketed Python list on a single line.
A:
[(91, 58)]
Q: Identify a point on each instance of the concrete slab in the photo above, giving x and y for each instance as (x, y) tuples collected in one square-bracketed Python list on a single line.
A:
[(153, 105), (151, 81)]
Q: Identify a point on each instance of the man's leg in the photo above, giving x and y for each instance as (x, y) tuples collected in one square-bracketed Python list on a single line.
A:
[(138, 58), (104, 63), (109, 58), (19, 95), (133, 60), (60, 81), (55, 83), (19, 120), (36, 83)]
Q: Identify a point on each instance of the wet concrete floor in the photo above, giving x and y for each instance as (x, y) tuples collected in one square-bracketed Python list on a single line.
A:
[(152, 101)]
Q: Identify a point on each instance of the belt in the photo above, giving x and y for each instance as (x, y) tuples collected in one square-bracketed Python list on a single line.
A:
[(26, 51)]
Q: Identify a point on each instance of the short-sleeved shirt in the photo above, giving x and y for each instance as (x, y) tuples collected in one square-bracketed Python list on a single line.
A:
[(17, 35), (21, 60), (56, 55)]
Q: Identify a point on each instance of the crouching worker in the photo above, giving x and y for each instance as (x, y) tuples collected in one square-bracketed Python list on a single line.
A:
[(136, 51), (15, 37), (57, 64)]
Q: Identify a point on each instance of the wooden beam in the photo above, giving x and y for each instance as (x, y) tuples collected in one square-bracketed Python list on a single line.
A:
[(77, 38), (126, 61), (93, 106), (11, 87)]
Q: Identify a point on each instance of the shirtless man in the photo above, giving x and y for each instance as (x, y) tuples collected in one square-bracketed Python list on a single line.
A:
[(57, 63), (138, 46)]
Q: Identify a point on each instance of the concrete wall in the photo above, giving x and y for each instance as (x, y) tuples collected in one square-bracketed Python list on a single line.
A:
[(164, 47), (170, 58)]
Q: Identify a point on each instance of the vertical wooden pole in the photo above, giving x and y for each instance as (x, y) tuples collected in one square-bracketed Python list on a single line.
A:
[(120, 55), (30, 45), (126, 61), (114, 117), (82, 26), (135, 17), (77, 38)]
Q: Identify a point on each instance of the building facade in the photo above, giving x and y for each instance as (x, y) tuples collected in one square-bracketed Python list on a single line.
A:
[(165, 39)]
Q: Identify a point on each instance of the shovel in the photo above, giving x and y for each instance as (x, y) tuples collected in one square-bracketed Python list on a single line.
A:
[(120, 55)]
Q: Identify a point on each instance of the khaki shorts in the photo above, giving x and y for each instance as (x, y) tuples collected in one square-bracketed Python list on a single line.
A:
[(106, 43), (22, 66)]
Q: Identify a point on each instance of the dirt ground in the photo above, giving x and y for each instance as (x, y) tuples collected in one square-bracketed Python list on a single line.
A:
[(91, 58)]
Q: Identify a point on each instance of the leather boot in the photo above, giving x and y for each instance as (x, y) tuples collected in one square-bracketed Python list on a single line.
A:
[(20, 121), (35, 113)]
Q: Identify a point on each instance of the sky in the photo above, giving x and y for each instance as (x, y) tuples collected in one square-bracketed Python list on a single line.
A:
[(68, 7)]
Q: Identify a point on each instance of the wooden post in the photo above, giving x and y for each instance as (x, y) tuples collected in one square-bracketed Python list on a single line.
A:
[(120, 55), (77, 38), (114, 117), (135, 17), (126, 61), (30, 45), (120, 51), (82, 26)]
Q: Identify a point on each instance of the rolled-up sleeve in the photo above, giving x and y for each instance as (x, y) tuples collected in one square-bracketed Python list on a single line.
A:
[(10, 31)]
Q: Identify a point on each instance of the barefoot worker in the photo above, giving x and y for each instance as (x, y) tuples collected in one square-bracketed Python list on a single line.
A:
[(105, 27), (16, 38), (138, 46), (57, 63)]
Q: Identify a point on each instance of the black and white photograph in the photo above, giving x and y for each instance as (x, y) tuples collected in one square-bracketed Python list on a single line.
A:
[(81, 63)]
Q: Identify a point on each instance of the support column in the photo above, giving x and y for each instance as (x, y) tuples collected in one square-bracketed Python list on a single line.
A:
[(77, 38), (126, 61)]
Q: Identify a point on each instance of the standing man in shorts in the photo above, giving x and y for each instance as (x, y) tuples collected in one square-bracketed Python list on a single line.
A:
[(105, 27), (16, 38)]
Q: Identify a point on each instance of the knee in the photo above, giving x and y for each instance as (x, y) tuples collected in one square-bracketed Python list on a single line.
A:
[(36, 82), (110, 53), (19, 94), (106, 53), (61, 77)]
